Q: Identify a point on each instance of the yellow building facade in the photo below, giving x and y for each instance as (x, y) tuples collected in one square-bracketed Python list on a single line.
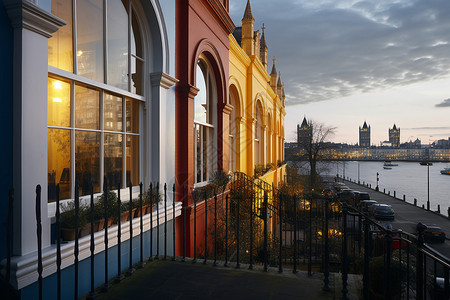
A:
[(256, 127)]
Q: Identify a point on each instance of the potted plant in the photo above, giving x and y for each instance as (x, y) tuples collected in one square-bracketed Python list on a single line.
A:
[(150, 199), (68, 220), (99, 210)]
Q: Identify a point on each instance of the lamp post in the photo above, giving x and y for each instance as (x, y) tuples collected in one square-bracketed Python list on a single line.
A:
[(378, 179), (428, 185)]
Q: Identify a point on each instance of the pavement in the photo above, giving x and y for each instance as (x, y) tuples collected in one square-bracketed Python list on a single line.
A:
[(185, 280)]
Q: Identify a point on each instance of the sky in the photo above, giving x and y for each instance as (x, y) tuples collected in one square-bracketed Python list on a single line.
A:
[(344, 62)]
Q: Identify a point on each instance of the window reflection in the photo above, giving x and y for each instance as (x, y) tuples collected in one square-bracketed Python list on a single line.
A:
[(132, 159), (137, 58), (58, 103), (58, 163), (113, 159), (117, 20), (87, 161), (113, 114), (132, 116), (90, 39), (87, 108), (60, 48)]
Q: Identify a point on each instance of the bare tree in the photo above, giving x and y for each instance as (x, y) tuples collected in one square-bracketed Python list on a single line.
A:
[(314, 146)]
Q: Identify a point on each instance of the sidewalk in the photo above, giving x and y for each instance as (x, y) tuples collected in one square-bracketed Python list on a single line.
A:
[(177, 280)]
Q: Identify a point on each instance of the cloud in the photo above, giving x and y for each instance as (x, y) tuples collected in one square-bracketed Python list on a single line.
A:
[(445, 103), (328, 49)]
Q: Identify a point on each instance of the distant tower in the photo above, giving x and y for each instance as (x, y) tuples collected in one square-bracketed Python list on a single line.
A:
[(263, 48), (394, 137), (304, 133), (364, 136)]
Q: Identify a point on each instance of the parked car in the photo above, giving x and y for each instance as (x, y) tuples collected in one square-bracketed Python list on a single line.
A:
[(364, 205), (384, 211), (363, 196), (346, 195), (371, 209), (432, 233)]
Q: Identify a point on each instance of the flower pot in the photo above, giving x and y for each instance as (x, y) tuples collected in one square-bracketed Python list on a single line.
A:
[(99, 224), (124, 216), (68, 234), (86, 230)]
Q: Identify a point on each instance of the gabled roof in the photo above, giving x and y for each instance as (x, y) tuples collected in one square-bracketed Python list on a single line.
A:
[(248, 12)]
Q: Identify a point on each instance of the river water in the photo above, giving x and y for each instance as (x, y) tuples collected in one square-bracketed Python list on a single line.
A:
[(408, 178)]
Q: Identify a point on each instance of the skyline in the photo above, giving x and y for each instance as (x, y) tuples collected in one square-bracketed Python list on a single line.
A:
[(350, 61)]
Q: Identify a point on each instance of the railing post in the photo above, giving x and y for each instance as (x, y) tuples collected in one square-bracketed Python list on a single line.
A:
[(119, 276), (419, 265), (238, 198), (141, 233), (106, 285), (77, 236), (39, 237), (446, 284), (130, 262), (157, 222), (251, 232), (344, 256), (184, 207), (215, 229), (58, 244), (150, 258), (206, 228), (326, 280), (295, 234), (195, 228), (92, 244), (366, 277), (387, 287), (310, 238), (226, 231), (173, 220), (165, 221), (280, 216), (265, 232)]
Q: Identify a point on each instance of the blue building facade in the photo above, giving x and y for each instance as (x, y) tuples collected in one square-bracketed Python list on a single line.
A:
[(82, 102)]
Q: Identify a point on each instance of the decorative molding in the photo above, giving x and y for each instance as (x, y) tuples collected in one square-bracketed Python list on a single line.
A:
[(228, 108), (24, 268), (27, 15), (222, 14), (163, 80)]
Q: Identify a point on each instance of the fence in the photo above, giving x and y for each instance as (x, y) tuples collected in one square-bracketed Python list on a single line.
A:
[(254, 223)]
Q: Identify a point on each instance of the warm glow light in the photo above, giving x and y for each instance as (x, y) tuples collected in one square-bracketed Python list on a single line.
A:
[(57, 85), (79, 53), (57, 100)]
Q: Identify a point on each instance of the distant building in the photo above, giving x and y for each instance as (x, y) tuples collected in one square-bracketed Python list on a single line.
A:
[(364, 136), (304, 133), (394, 136)]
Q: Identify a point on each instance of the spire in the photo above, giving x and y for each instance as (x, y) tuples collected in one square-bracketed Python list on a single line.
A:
[(394, 128), (248, 12), (365, 125), (263, 38), (274, 69), (279, 79), (304, 123)]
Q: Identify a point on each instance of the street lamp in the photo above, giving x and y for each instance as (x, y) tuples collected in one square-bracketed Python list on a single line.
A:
[(378, 179), (428, 185)]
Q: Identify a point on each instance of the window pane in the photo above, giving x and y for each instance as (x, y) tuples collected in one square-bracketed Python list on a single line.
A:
[(58, 103), (205, 133), (90, 39), (136, 50), (132, 116), (87, 161), (58, 163), (87, 108), (113, 159), (136, 75), (198, 153), (60, 45), (132, 159), (200, 106), (113, 114), (117, 21)]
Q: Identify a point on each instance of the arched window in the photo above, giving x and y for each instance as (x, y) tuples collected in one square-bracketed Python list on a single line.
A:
[(95, 95), (259, 142), (205, 116), (232, 131)]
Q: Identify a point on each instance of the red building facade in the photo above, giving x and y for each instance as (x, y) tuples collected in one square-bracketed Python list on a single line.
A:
[(202, 109)]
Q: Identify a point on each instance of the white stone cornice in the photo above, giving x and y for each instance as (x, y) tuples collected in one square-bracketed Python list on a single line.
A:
[(27, 15), (163, 80)]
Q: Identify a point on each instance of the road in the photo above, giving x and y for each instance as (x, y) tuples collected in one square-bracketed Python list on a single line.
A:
[(407, 216)]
